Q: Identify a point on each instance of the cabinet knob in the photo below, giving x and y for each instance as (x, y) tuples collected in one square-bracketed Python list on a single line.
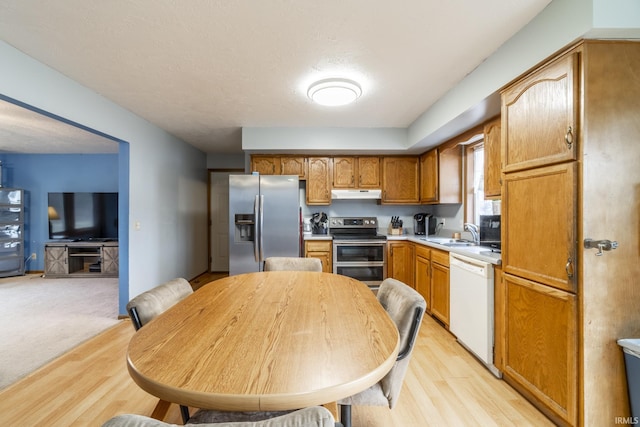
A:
[(568, 138), (569, 267)]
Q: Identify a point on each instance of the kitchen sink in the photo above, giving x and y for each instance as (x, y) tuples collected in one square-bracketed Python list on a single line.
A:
[(458, 243), (443, 240)]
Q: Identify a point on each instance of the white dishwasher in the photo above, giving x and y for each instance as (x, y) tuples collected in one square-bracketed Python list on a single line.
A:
[(471, 307)]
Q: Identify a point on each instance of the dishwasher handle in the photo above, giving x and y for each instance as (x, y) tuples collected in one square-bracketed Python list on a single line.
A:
[(474, 266)]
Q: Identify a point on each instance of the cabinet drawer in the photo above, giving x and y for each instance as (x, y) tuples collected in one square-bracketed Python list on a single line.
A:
[(440, 257), (318, 246), (423, 251)]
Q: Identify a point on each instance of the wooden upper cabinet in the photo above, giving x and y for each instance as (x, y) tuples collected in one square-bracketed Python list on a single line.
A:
[(492, 159), (294, 165), (450, 174), (441, 175), (356, 172), (344, 172), (368, 172), (540, 116), (539, 207), (400, 183), (319, 181), (265, 165), (429, 176)]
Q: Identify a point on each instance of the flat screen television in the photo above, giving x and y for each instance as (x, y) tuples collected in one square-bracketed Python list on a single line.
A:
[(83, 216)]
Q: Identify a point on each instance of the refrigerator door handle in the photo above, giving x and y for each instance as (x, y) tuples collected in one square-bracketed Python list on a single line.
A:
[(261, 228), (256, 204)]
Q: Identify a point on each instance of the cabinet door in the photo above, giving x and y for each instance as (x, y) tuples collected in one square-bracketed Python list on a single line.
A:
[(429, 176), (265, 165), (541, 344), (110, 260), (423, 279), (344, 172), (401, 264), (440, 292), (492, 162), (450, 174), (55, 260), (539, 225), (368, 172), (321, 250), (539, 116), (290, 165), (319, 181), (400, 180)]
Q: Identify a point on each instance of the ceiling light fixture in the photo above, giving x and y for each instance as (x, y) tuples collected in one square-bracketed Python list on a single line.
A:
[(334, 92)]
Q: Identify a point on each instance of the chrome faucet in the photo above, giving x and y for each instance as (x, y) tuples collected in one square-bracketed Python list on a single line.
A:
[(473, 229)]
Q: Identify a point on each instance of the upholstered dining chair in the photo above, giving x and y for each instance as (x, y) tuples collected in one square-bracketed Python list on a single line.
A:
[(406, 308), (315, 416), (146, 306), (292, 264)]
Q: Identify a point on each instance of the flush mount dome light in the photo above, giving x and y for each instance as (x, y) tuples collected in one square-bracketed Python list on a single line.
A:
[(334, 92)]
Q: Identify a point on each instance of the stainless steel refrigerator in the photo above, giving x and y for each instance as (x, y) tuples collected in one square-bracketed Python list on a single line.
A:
[(264, 220)]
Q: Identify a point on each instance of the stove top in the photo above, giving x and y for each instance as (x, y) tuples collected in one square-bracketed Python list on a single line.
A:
[(355, 228)]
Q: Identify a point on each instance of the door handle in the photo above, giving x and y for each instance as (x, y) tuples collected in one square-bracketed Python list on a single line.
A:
[(600, 245)]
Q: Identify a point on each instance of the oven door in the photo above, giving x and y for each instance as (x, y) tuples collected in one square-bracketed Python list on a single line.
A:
[(361, 260)]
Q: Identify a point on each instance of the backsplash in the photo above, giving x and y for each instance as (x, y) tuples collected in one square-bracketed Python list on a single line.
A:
[(453, 214)]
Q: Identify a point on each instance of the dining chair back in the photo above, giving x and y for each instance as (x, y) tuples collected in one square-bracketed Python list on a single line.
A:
[(292, 264), (315, 416), (406, 308), (146, 306)]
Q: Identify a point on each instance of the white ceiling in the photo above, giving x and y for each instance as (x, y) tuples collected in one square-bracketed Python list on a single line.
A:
[(202, 69), (26, 131)]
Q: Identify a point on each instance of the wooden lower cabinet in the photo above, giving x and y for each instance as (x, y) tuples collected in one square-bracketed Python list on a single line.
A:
[(423, 274), (541, 346), (440, 285), (400, 261), (321, 249)]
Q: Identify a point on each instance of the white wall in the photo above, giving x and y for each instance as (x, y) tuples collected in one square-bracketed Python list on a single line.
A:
[(476, 98), (167, 178), (334, 140), (558, 25)]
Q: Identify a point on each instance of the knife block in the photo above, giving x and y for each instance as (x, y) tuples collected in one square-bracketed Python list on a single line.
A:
[(394, 231)]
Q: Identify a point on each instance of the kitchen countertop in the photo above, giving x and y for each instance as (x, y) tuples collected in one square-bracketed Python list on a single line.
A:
[(482, 253), (309, 236)]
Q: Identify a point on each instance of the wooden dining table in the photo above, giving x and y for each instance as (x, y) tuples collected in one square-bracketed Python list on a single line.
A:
[(274, 340)]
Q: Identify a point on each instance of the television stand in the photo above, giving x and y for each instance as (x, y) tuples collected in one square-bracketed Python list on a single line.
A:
[(81, 259)]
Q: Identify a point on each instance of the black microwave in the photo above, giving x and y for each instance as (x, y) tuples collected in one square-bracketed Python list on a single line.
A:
[(490, 231)]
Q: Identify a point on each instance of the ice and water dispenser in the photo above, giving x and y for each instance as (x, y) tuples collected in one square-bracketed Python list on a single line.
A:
[(245, 224)]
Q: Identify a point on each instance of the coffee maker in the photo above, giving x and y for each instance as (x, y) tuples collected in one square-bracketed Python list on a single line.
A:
[(421, 224)]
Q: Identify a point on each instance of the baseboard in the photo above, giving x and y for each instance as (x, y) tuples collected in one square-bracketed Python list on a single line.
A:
[(34, 272)]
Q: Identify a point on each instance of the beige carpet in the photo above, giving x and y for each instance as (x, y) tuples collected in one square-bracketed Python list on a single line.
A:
[(41, 319)]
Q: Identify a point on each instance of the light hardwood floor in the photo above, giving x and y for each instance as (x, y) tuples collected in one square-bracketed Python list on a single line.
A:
[(444, 386)]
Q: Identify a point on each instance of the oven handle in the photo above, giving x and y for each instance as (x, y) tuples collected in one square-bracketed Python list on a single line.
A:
[(358, 243)]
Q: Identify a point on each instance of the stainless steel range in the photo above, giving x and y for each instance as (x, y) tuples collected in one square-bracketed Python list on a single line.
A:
[(358, 250)]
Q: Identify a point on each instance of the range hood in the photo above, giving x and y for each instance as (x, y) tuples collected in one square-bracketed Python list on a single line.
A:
[(355, 194)]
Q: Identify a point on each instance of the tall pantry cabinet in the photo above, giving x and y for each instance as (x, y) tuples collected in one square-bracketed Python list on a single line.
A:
[(570, 150)]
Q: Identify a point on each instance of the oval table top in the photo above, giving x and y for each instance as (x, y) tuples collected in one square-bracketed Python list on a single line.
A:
[(266, 341)]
